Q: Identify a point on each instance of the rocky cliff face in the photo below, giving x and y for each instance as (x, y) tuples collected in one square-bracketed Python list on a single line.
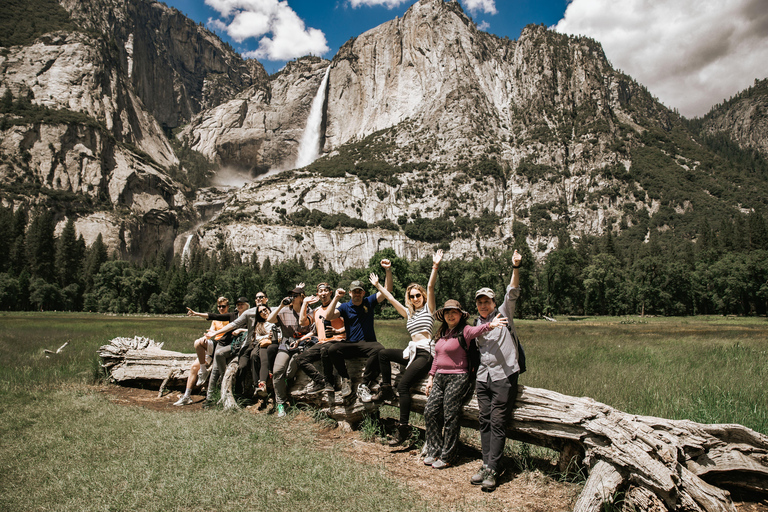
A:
[(744, 118), (432, 132), (137, 69)]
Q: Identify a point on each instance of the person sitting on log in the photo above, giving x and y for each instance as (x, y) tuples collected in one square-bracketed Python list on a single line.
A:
[(295, 322), (328, 331), (198, 372), (361, 336), (417, 357), (260, 352), (449, 381), (496, 376), (223, 340), (261, 299)]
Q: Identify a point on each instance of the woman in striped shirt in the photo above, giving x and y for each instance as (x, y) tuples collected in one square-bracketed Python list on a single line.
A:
[(417, 357)]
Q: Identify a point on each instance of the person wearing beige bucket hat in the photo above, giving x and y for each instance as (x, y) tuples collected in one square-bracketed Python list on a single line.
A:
[(449, 380)]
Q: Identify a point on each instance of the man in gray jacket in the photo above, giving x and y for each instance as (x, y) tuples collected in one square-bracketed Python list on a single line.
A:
[(497, 375)]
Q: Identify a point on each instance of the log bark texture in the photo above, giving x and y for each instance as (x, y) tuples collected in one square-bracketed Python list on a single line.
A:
[(655, 463)]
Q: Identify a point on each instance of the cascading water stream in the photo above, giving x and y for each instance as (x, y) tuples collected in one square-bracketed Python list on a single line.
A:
[(309, 148), (185, 252)]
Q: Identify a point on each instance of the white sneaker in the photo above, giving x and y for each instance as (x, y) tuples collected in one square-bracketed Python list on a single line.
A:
[(202, 375), (364, 393), (184, 400)]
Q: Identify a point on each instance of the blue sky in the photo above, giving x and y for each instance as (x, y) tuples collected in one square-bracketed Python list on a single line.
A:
[(691, 54)]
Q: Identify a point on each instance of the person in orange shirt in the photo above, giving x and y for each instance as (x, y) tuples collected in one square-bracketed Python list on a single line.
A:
[(204, 347), (328, 331)]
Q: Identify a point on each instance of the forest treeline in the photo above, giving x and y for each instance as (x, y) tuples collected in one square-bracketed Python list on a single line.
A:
[(724, 272)]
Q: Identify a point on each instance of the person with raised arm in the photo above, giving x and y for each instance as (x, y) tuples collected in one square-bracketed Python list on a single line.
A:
[(361, 336), (497, 375), (417, 356), (327, 332), (294, 317), (449, 380)]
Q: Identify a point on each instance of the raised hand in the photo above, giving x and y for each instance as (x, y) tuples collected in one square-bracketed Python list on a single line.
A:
[(517, 258), (374, 279), (341, 292), (311, 300), (498, 321), (438, 257), (386, 263)]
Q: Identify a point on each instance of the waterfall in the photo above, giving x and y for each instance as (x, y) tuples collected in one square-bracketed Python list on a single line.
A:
[(309, 148), (185, 252)]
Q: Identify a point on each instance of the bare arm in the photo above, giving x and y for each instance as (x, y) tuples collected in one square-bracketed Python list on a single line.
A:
[(332, 312), (388, 295), (195, 313), (304, 319), (387, 279), (431, 304), (514, 282)]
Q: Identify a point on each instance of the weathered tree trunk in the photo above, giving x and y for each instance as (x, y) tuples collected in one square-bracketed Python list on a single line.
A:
[(659, 464)]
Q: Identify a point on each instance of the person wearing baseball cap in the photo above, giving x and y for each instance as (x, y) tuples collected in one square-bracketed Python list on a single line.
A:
[(361, 336), (497, 374)]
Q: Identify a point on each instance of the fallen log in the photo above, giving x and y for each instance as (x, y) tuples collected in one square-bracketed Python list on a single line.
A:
[(657, 463)]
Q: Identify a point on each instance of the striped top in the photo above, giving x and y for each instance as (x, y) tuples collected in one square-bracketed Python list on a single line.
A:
[(420, 321)]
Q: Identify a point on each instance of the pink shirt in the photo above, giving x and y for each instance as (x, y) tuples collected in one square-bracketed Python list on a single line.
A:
[(449, 356)]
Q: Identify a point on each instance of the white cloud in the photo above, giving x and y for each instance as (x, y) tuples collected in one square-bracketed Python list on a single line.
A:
[(389, 4), (476, 6), (290, 38), (691, 54), (483, 25)]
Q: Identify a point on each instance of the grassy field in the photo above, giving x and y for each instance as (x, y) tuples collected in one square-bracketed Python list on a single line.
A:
[(66, 447)]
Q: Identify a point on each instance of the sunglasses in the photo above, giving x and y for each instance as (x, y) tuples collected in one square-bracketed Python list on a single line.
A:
[(220, 306), (261, 297), (415, 295)]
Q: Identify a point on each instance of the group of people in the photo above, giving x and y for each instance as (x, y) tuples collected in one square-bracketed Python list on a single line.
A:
[(444, 347)]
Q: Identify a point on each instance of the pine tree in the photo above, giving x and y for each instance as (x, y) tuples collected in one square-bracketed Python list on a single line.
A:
[(41, 246), (95, 256), (68, 256), (18, 242)]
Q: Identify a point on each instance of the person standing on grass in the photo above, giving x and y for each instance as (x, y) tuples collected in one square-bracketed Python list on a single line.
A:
[(449, 381), (417, 357), (327, 332), (497, 375), (361, 336)]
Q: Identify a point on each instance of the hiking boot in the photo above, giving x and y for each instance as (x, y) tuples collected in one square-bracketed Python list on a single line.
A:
[(440, 464), (401, 435), (364, 393), (385, 393), (329, 387), (314, 387), (202, 375), (489, 482), (346, 388), (478, 477), (280, 411), (184, 400)]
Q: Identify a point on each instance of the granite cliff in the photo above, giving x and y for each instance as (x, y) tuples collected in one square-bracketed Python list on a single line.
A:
[(432, 132)]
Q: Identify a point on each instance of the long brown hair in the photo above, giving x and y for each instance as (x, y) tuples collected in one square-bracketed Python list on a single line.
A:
[(260, 328)]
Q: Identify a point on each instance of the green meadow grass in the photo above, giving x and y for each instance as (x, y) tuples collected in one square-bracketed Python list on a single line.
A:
[(66, 447)]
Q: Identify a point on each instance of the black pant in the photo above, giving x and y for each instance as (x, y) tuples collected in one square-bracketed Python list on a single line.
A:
[(415, 372), (495, 400), (306, 361), (261, 360), (338, 352)]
